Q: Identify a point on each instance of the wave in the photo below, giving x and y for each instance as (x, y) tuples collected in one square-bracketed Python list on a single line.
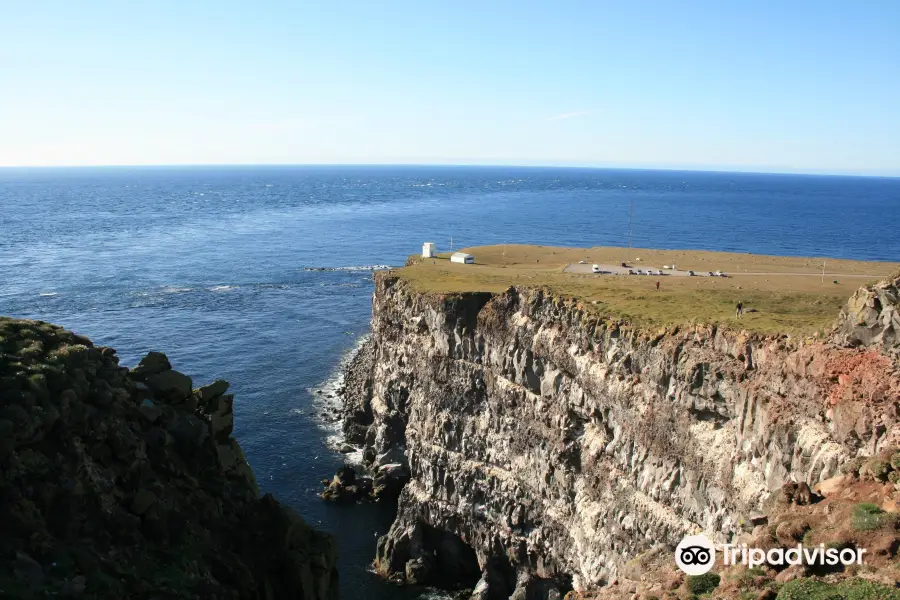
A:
[(329, 403), (223, 288), (354, 268), (48, 294), (346, 284)]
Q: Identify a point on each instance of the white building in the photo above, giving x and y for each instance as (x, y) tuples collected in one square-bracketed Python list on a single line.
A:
[(462, 257), (429, 250)]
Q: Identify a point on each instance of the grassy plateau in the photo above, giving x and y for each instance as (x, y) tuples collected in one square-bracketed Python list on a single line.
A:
[(780, 294)]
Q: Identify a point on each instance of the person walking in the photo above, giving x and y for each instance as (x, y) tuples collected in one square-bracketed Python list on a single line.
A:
[(739, 309)]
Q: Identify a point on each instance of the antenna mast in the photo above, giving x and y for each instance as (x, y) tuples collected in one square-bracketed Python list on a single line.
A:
[(631, 224)]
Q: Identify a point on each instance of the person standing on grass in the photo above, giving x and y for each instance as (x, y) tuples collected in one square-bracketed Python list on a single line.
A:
[(657, 284), (739, 309)]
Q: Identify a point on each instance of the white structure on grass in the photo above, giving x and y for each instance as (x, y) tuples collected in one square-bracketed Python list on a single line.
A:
[(429, 250), (462, 257)]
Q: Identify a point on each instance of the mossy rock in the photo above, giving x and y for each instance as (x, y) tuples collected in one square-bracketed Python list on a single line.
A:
[(868, 517), (70, 487), (852, 466), (703, 584), (849, 589), (895, 460), (878, 468)]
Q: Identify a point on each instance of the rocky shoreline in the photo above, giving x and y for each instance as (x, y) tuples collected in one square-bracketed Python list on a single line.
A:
[(377, 478), (127, 483)]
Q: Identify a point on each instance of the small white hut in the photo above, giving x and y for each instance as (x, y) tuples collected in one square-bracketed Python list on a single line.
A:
[(462, 257), (429, 250)]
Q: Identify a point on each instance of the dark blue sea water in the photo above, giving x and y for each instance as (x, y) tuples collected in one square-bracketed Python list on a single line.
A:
[(207, 265)]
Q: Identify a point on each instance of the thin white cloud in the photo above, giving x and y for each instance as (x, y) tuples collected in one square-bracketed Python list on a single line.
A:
[(571, 115)]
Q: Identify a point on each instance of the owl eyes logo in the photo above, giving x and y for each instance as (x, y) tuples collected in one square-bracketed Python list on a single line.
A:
[(695, 555)]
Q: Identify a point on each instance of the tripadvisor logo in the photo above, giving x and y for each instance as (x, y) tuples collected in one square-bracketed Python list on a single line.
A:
[(696, 555)]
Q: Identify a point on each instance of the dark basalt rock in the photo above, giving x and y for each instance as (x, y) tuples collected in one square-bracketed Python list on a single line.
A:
[(389, 481), (170, 386), (152, 364), (127, 484), (347, 486)]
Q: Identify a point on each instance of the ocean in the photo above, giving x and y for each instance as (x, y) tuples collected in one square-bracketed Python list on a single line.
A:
[(218, 267)]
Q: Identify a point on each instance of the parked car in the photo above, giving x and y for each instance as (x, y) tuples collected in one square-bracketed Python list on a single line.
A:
[(595, 269), (691, 273), (711, 274)]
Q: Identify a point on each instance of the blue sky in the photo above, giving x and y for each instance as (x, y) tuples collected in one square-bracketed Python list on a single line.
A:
[(809, 86)]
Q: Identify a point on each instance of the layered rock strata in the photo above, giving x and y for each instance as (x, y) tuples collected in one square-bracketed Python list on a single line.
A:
[(548, 445)]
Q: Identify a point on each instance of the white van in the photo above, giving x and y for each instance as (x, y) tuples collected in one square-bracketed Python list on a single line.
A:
[(595, 268)]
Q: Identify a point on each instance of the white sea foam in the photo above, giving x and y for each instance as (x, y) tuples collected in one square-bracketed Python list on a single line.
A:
[(327, 399), (222, 288), (49, 294), (352, 268), (427, 593), (436, 595)]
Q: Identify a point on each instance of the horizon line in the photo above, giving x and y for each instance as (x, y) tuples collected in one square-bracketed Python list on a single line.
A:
[(748, 170)]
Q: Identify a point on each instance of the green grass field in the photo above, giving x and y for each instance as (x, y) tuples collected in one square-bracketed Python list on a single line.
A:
[(788, 295)]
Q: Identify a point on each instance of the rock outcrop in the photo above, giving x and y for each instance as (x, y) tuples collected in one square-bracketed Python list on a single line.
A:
[(118, 483), (347, 486), (547, 446), (872, 316)]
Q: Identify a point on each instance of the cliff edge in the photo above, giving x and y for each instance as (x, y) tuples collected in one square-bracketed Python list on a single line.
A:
[(548, 446), (872, 317), (118, 483)]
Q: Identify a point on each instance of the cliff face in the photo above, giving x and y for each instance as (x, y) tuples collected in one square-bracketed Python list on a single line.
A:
[(872, 317), (547, 447), (118, 483)]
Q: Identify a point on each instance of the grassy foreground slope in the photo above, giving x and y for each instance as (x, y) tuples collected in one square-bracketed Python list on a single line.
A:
[(788, 294)]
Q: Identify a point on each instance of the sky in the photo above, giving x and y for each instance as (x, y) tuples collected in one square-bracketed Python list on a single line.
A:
[(799, 86)]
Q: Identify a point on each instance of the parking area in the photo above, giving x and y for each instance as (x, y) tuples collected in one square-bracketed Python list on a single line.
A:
[(606, 269)]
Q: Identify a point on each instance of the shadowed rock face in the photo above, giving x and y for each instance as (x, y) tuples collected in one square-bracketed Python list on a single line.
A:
[(557, 446), (118, 483)]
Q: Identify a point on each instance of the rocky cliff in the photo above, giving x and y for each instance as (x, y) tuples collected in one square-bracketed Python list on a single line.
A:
[(547, 446), (118, 483), (872, 317)]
